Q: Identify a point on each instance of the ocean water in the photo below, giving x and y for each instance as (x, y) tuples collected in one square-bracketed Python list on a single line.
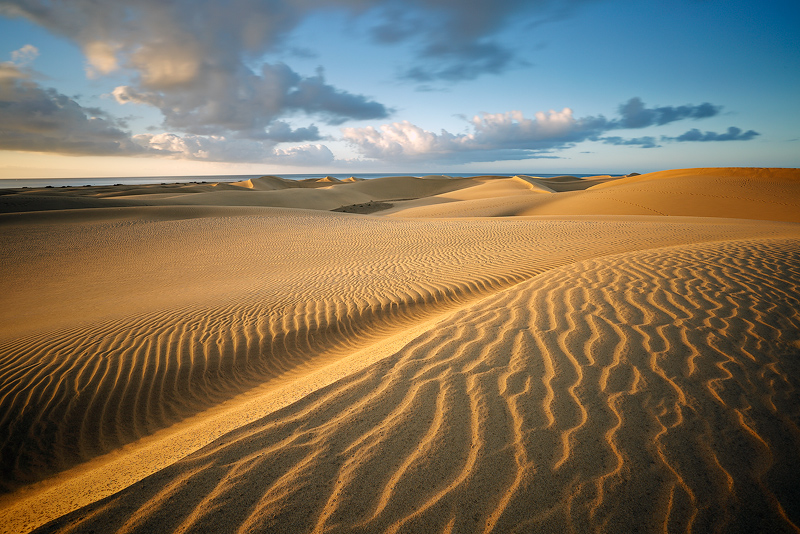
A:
[(142, 180)]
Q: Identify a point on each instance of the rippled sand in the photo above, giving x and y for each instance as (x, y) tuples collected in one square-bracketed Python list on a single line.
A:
[(197, 362)]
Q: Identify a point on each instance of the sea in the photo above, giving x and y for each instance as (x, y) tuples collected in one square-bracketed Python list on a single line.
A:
[(14, 183)]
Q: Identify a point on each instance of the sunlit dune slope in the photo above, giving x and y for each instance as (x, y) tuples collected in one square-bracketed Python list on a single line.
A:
[(486, 354), (638, 392), (769, 194), (143, 322)]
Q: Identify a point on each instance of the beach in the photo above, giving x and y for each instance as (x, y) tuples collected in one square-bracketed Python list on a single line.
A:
[(403, 354)]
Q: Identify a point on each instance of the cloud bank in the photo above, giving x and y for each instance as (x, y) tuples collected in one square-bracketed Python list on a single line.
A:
[(510, 135), (192, 60), (37, 119)]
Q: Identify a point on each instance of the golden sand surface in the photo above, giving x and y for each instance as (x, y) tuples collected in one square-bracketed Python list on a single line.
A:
[(488, 354)]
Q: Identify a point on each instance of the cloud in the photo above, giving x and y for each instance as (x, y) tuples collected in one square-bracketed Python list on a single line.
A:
[(456, 41), (495, 137), (25, 55), (250, 104), (190, 60), (221, 148), (733, 134), (510, 135), (35, 119), (634, 113), (644, 142)]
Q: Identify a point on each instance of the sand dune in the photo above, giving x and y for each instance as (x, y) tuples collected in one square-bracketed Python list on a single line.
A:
[(212, 363), (643, 391), (768, 194)]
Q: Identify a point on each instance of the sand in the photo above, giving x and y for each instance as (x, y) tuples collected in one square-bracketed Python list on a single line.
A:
[(487, 354)]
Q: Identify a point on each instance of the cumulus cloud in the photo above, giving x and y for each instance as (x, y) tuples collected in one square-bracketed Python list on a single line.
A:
[(221, 148), (733, 134), (250, 104), (190, 60), (510, 135), (36, 119), (495, 136)]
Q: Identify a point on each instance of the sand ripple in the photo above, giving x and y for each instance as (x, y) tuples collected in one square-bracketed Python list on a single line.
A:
[(644, 391), (223, 304)]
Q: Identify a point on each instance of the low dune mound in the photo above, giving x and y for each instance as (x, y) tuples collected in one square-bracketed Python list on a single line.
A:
[(636, 392), (266, 183)]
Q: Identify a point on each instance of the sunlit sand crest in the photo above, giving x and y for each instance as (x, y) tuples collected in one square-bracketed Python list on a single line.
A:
[(599, 352)]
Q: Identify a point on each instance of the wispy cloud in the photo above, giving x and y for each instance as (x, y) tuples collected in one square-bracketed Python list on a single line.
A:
[(457, 41), (643, 142), (733, 134), (635, 114)]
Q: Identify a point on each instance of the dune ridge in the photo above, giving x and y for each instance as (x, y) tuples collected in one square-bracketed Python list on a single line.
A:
[(483, 354), (534, 408), (136, 373)]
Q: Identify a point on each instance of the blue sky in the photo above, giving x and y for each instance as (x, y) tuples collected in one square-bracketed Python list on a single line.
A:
[(185, 87)]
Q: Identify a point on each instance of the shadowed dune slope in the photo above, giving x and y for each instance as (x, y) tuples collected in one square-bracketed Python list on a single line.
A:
[(748, 193), (142, 322), (645, 391)]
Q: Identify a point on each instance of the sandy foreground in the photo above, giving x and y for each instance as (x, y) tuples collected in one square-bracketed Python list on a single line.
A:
[(405, 354)]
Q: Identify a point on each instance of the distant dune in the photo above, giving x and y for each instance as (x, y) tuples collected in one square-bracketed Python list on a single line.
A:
[(484, 354)]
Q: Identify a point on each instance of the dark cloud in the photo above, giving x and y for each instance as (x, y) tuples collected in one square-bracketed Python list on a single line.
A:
[(188, 50), (455, 64), (733, 134), (249, 103), (644, 142), (35, 119), (634, 113), (457, 41), (190, 60)]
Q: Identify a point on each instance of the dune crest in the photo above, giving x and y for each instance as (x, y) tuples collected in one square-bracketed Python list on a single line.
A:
[(536, 413), (484, 354)]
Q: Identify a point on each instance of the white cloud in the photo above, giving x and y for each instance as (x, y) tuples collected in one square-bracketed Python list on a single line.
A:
[(495, 136), (511, 135), (25, 55), (102, 58), (221, 148)]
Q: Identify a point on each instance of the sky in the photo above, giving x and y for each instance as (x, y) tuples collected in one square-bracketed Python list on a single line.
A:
[(210, 87)]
